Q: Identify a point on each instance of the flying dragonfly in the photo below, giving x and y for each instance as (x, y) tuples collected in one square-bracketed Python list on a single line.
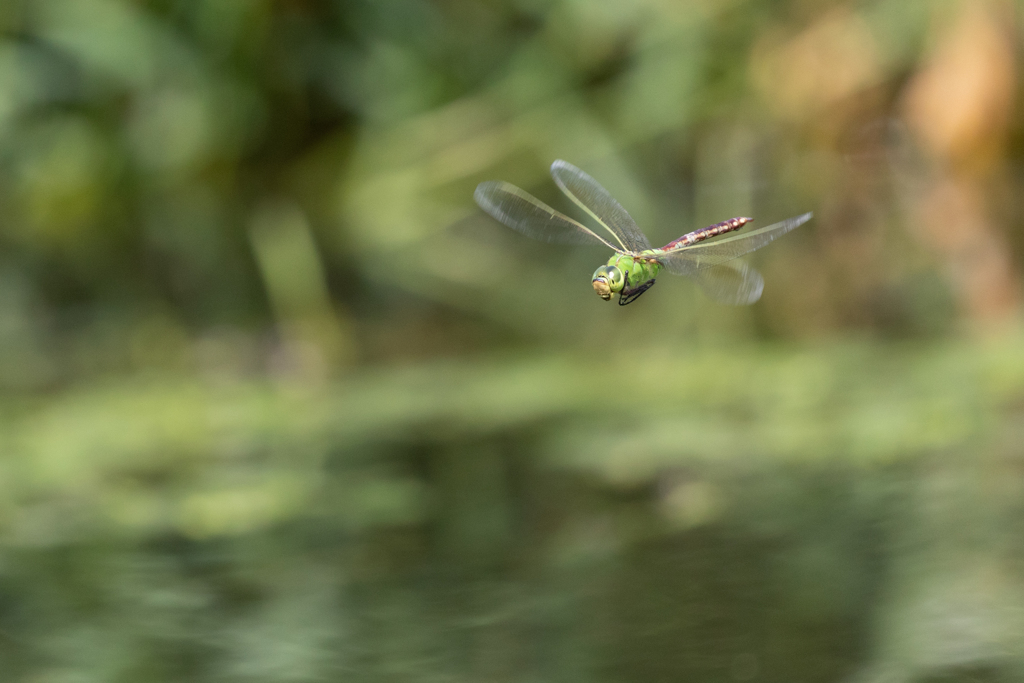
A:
[(632, 270)]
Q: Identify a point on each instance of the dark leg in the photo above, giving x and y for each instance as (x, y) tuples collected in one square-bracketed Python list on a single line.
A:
[(629, 294)]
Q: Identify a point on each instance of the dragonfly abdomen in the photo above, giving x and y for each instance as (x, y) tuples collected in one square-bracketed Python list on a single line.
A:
[(707, 233)]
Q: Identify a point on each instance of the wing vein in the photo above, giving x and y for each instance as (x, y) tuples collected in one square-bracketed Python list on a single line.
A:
[(524, 213), (590, 196)]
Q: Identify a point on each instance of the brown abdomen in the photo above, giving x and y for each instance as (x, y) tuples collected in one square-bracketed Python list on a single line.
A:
[(707, 233)]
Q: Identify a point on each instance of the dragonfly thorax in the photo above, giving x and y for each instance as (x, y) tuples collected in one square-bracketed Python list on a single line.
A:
[(623, 273)]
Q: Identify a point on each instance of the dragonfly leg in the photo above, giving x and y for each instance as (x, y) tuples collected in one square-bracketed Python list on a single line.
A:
[(631, 294)]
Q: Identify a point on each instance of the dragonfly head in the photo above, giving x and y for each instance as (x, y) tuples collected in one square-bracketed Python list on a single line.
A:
[(607, 280)]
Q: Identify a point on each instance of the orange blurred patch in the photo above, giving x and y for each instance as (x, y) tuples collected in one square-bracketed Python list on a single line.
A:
[(959, 107), (959, 104), (952, 216)]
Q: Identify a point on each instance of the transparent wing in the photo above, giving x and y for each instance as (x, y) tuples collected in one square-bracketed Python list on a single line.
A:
[(734, 283), (601, 206), (711, 265), (521, 211), (686, 260)]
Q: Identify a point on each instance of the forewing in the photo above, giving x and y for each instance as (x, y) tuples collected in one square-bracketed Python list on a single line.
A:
[(602, 207), (734, 283), (525, 213), (685, 259)]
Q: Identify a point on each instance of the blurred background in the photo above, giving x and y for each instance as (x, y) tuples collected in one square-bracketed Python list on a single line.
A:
[(279, 403)]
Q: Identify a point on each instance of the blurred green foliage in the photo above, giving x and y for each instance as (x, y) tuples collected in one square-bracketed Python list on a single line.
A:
[(278, 403)]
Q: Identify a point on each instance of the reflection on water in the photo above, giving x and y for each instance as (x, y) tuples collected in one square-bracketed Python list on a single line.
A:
[(492, 523), (908, 572), (954, 599)]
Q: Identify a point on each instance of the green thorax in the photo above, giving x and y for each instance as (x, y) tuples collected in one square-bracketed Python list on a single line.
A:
[(639, 269)]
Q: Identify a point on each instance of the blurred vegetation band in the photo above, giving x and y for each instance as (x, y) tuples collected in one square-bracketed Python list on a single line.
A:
[(204, 458)]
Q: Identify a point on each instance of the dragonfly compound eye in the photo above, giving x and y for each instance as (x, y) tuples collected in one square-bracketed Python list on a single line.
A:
[(607, 279)]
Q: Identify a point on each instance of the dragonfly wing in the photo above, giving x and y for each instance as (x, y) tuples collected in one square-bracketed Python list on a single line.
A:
[(719, 251), (525, 213), (734, 283), (602, 207)]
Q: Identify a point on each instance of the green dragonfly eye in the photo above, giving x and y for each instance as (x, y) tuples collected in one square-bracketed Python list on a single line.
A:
[(607, 279)]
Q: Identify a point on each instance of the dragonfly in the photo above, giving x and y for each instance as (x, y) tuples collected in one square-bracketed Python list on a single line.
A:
[(635, 265)]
